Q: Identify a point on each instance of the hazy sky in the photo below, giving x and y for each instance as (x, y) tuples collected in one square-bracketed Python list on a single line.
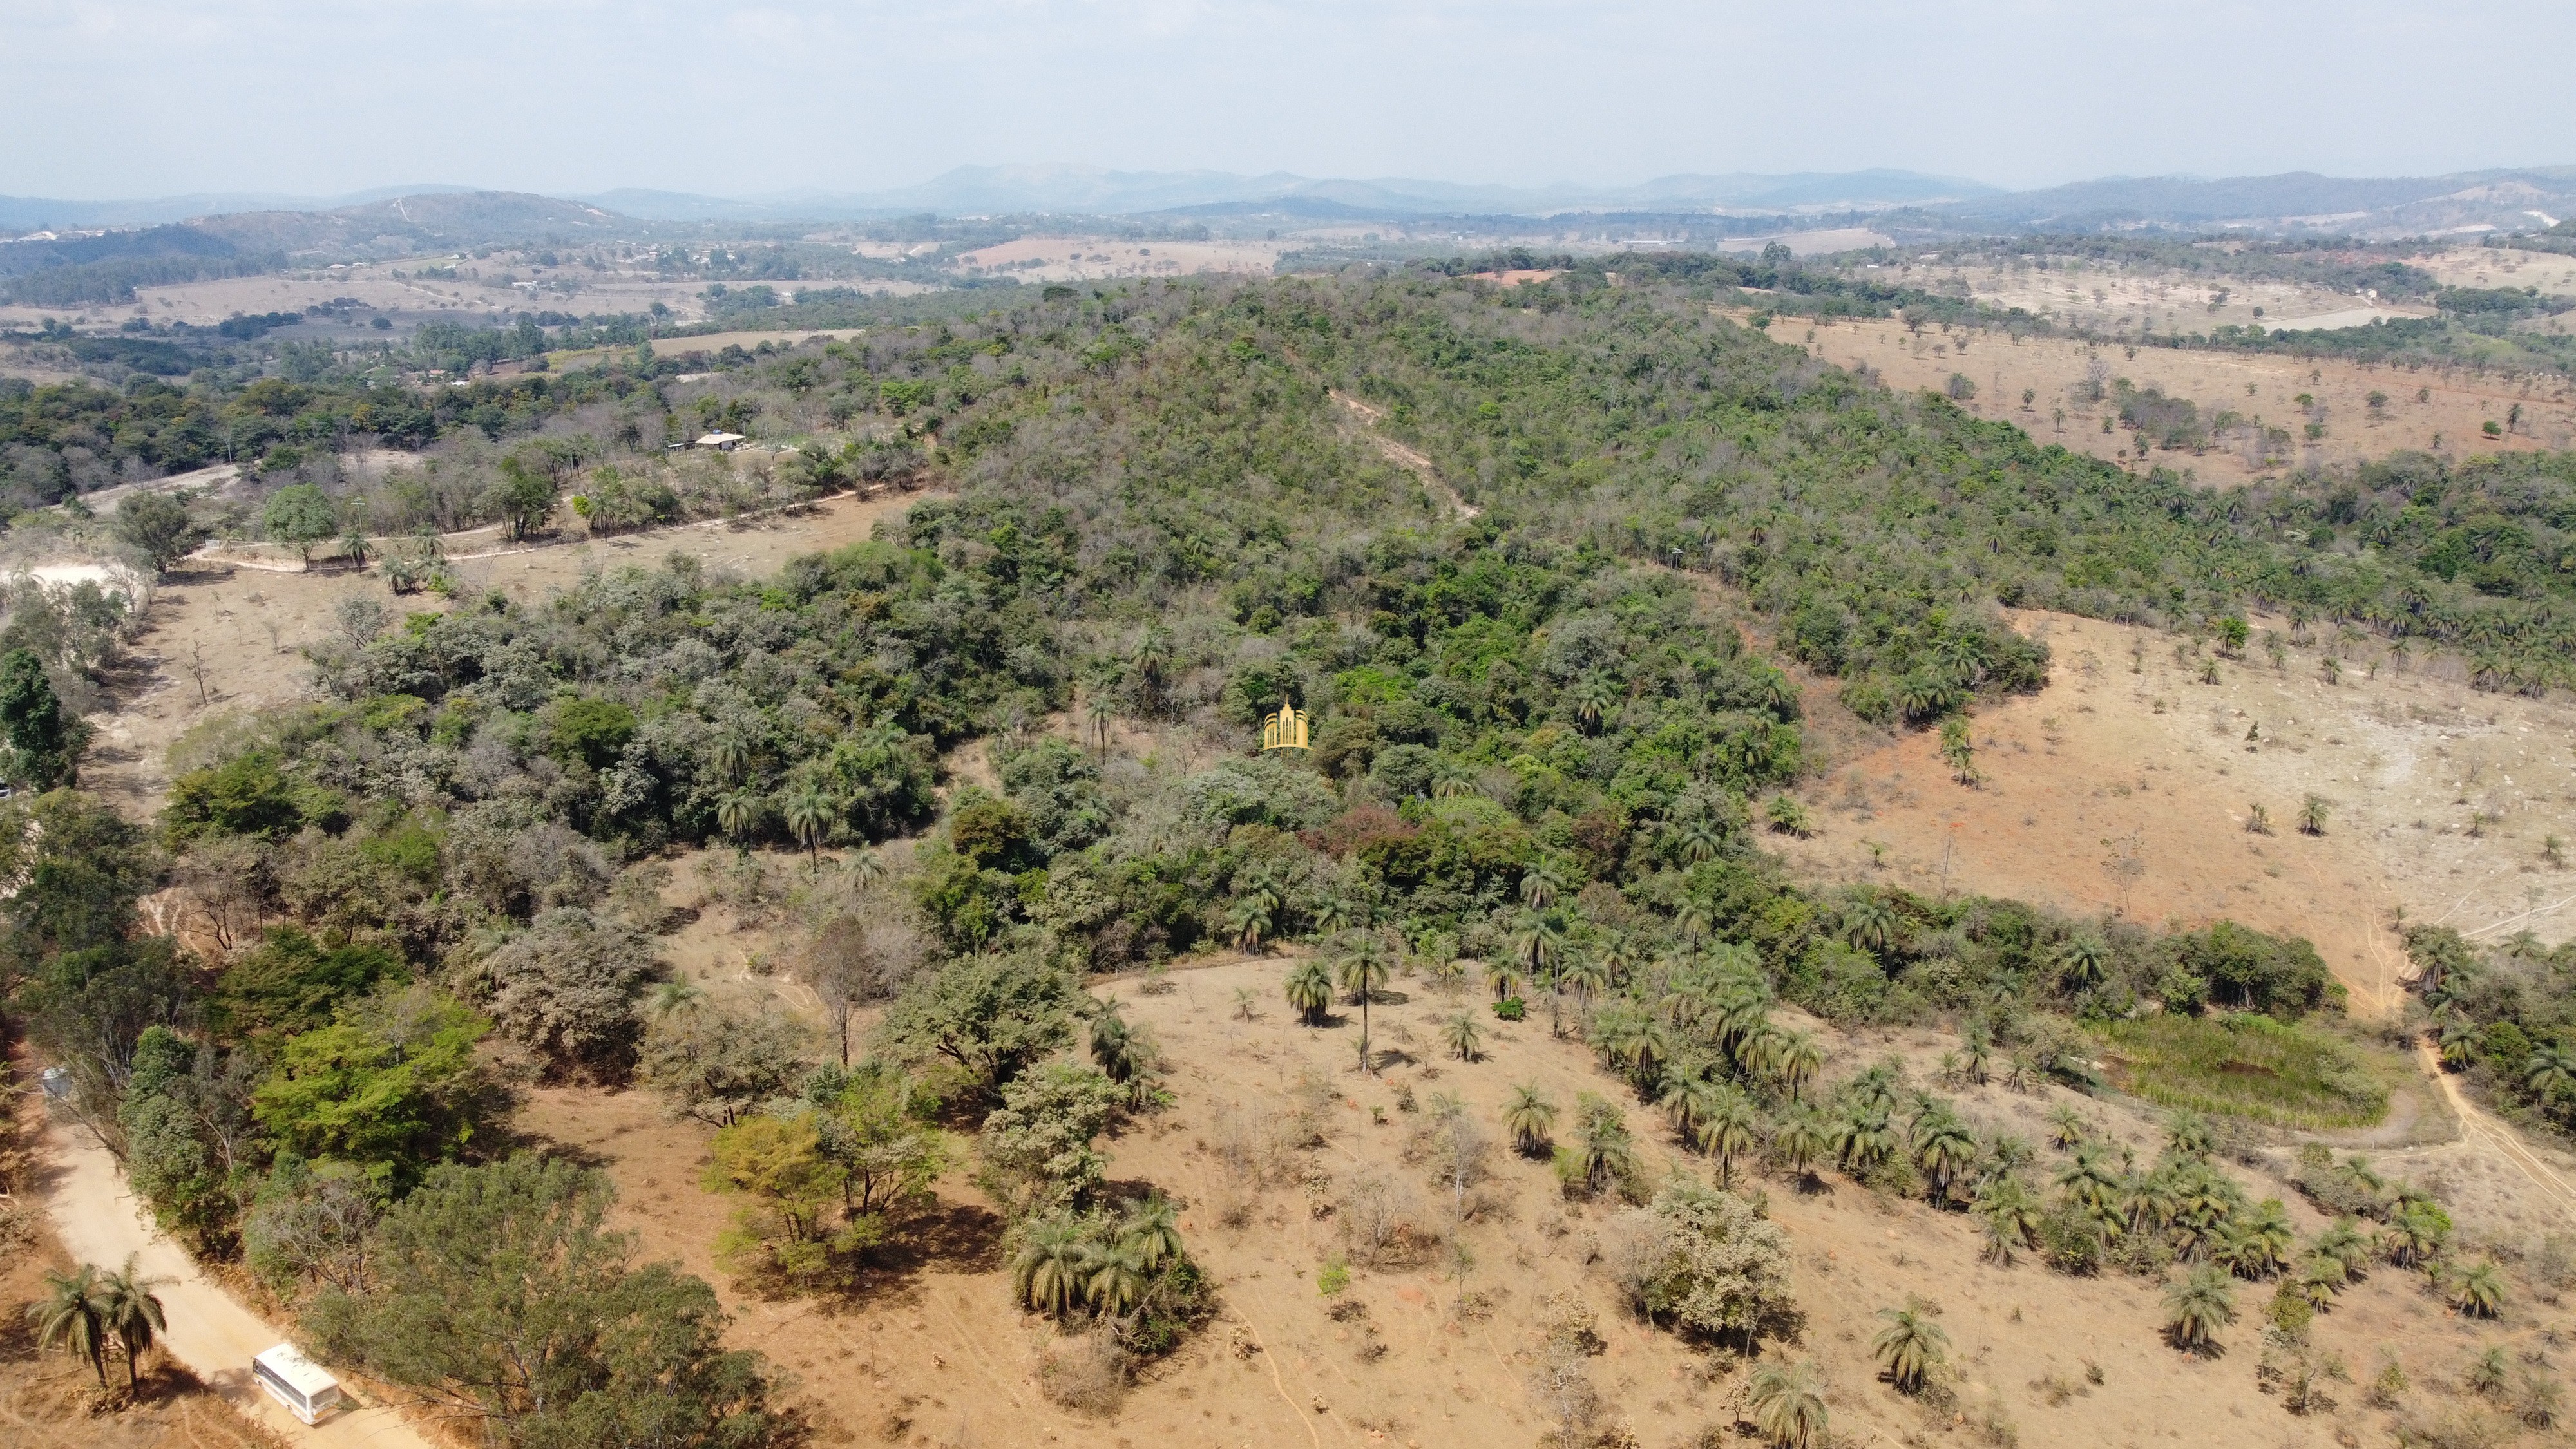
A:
[(121, 98)]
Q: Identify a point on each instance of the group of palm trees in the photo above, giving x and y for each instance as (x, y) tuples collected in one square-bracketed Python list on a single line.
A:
[(90, 1311), (1105, 1265)]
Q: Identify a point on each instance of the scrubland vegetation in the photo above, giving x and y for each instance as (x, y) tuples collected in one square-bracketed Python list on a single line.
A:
[(1549, 737)]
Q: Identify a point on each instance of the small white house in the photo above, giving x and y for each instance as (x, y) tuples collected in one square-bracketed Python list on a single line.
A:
[(296, 1381), (721, 442)]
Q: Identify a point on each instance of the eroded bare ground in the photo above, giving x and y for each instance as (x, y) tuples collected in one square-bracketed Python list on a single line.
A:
[(931, 1351)]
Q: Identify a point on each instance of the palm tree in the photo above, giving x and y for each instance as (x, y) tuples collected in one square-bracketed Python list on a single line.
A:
[(1593, 698), (73, 1317), (1789, 1405), (1333, 914), (2550, 1070), (1607, 1151), (2065, 1127), (1250, 920), (1693, 919), (1540, 886), (1586, 977), (673, 998), (1862, 1139), (1529, 1116), (1696, 838), (2091, 1184), (1453, 779), (1122, 1054), (2312, 815), (1503, 978), (810, 813), (1310, 990), (2267, 1237), (1733, 1131), (2081, 962), (1114, 1278), (132, 1312), (2004, 1206), (1943, 1148), (2479, 1291), (730, 751), (1796, 1062), (1151, 1229), (1802, 1140), (738, 813), (1363, 971), (2345, 1244), (2415, 1232), (2188, 1135), (1048, 1271), (1869, 923), (2320, 1279), (1911, 1346), (1463, 1036), (1535, 940), (1098, 714), (2198, 1306), (1692, 1101)]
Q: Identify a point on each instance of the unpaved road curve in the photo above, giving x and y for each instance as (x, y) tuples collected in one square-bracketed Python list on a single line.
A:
[(100, 1222), (2553, 1185)]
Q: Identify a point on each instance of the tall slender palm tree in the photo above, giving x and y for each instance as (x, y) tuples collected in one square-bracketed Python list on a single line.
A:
[(1098, 713), (810, 813), (72, 1316), (1801, 1141), (1310, 990), (1733, 1133), (738, 814), (1503, 978), (1540, 886), (1586, 977), (1693, 1102), (1911, 1347), (1788, 1403), (1363, 971), (2197, 1306), (1796, 1063), (133, 1313), (2550, 1071), (1530, 1116)]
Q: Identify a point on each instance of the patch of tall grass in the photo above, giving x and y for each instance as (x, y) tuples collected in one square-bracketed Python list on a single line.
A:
[(2246, 1065)]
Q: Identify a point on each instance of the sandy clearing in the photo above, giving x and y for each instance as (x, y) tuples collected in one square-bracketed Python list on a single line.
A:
[(1076, 258), (99, 1221)]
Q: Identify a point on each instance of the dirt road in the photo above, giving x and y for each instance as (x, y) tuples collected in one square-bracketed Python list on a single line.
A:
[(2507, 1142), (99, 1222)]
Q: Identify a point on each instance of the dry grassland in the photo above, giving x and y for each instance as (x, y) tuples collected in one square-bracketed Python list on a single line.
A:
[(1094, 258), (2451, 408), (931, 1352)]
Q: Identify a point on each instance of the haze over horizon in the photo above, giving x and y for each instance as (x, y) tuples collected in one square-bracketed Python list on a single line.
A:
[(746, 99)]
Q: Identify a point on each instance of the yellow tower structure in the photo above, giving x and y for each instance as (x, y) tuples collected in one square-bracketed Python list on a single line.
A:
[(1285, 730)]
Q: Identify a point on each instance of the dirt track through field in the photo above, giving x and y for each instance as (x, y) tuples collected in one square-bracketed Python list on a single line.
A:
[(100, 1222)]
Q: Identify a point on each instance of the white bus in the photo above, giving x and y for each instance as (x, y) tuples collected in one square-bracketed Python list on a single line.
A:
[(297, 1382)]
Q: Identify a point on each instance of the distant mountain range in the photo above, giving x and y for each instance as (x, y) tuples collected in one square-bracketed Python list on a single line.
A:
[(1097, 191), (399, 221)]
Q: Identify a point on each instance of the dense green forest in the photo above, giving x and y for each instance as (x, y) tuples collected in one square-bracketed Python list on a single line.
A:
[(1546, 753)]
